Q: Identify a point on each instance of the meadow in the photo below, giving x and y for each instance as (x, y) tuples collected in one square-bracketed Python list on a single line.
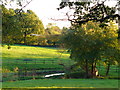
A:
[(47, 59), (37, 57)]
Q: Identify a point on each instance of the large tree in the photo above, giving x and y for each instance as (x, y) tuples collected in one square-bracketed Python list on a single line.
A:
[(97, 11), (18, 27), (88, 43), (10, 26), (30, 24)]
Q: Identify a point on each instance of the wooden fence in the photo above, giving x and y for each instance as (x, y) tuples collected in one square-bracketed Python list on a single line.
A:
[(35, 61), (35, 73)]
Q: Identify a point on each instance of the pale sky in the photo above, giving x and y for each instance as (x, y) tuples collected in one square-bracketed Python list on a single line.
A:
[(47, 9)]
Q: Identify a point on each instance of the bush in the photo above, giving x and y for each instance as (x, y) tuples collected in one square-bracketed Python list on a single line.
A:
[(77, 74)]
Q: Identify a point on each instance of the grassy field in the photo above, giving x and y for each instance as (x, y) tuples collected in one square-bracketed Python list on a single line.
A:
[(38, 57), (47, 59), (98, 83)]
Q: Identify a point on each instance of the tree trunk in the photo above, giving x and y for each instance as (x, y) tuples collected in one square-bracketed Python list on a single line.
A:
[(9, 46), (108, 69), (86, 67), (54, 43), (92, 70), (25, 35)]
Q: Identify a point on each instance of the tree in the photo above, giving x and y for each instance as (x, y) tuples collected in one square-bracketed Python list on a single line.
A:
[(10, 26), (111, 49), (92, 11), (87, 43), (18, 27), (52, 29), (30, 24), (52, 33), (19, 3), (97, 11)]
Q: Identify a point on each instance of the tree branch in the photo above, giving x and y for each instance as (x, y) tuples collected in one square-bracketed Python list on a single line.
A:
[(24, 6), (94, 19)]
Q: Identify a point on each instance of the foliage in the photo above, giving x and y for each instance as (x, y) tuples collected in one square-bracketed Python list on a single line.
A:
[(18, 27), (98, 11), (30, 24), (104, 44), (90, 11), (88, 43), (52, 33), (10, 26), (80, 74), (52, 29)]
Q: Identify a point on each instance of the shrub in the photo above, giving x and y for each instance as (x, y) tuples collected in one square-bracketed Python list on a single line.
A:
[(77, 74)]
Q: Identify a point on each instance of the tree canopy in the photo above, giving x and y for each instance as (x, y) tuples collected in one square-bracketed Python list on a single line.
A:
[(30, 24), (96, 41), (10, 26), (96, 11), (18, 27), (88, 43)]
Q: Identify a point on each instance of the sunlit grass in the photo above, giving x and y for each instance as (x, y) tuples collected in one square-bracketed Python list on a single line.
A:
[(31, 52), (15, 57)]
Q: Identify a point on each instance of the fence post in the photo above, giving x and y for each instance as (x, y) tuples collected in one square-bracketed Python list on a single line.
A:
[(33, 73), (19, 73), (35, 61), (52, 61), (43, 61)]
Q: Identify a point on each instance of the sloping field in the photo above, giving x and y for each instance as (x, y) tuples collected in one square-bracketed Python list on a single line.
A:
[(37, 57)]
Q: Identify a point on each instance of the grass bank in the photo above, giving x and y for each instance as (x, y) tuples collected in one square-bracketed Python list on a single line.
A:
[(93, 83)]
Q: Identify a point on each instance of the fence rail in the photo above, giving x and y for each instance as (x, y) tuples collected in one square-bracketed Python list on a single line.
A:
[(34, 73), (30, 61)]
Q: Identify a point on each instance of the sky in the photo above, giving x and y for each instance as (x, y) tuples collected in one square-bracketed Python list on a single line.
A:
[(47, 9)]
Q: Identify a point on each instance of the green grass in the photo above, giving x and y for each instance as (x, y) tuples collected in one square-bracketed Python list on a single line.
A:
[(97, 83), (114, 70), (40, 57), (14, 57), (21, 52)]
